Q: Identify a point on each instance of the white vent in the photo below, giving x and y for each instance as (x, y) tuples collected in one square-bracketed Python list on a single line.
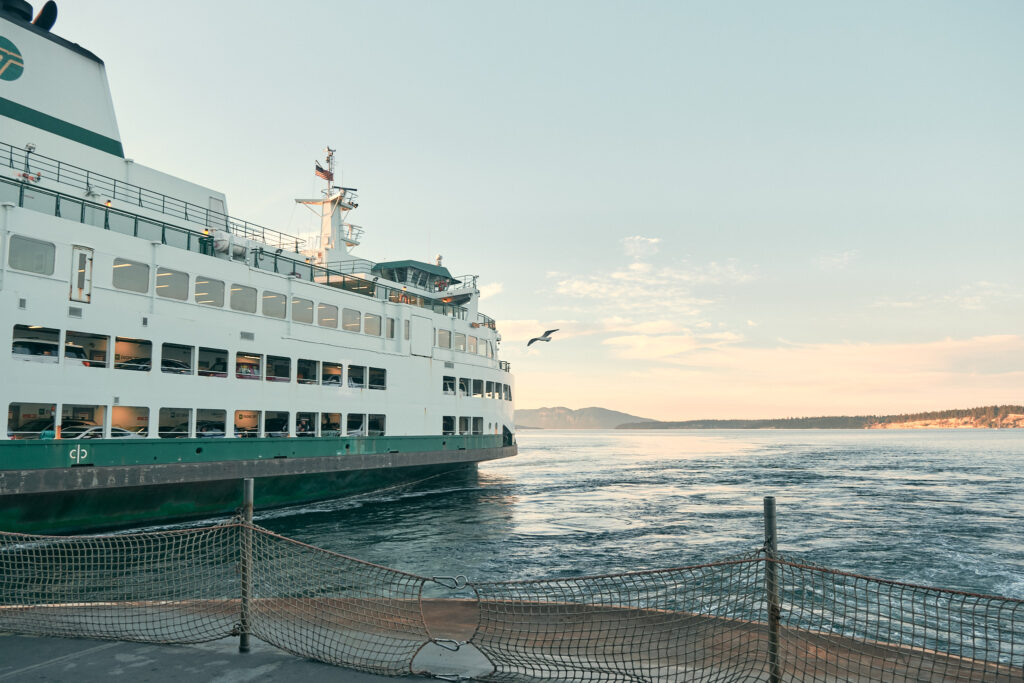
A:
[(74, 312), (247, 336)]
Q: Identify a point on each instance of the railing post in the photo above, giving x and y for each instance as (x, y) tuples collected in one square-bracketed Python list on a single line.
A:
[(771, 581), (246, 563)]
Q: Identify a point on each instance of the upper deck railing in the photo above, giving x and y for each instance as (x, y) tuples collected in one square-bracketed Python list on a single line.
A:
[(36, 167), (29, 196)]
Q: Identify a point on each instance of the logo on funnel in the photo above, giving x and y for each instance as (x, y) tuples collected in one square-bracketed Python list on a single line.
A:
[(11, 61)]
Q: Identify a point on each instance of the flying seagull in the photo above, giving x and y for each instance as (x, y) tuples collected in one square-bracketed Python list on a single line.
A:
[(544, 337)]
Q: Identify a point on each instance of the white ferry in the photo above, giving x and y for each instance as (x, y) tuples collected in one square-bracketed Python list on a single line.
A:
[(162, 349)]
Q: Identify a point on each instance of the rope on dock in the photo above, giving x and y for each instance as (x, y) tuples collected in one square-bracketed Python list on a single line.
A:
[(706, 622)]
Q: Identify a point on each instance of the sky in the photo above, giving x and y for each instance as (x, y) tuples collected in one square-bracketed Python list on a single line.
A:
[(728, 210)]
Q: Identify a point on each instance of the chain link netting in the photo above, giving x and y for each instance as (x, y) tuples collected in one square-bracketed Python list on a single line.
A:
[(704, 623)]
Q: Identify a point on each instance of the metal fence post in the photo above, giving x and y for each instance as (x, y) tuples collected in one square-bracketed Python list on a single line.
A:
[(771, 581), (246, 563)]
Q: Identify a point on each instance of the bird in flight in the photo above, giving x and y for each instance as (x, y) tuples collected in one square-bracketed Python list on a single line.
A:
[(544, 337)]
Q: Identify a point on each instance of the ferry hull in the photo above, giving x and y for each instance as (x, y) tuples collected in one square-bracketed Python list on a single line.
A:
[(82, 498)]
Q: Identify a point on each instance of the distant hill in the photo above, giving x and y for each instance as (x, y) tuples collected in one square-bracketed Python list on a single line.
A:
[(991, 417), (566, 418)]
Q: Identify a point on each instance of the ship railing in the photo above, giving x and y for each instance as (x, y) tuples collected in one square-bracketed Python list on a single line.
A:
[(36, 167), (485, 321), (32, 197), (504, 365)]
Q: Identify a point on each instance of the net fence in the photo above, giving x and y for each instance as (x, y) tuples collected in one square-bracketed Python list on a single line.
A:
[(711, 622)]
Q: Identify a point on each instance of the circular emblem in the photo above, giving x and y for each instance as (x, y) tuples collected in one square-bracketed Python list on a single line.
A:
[(11, 62)]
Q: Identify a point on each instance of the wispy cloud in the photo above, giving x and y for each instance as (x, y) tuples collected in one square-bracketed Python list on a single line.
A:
[(836, 260), (973, 296), (491, 290), (639, 247)]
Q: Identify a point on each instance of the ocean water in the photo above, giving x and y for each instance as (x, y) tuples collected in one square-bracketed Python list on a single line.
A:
[(943, 508)]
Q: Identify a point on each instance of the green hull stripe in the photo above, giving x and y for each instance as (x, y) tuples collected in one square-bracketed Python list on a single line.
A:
[(50, 124)]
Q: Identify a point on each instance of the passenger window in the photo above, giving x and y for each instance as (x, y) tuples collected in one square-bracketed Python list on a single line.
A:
[(248, 365), (448, 425), (489, 389), (171, 284), (460, 341), (211, 424), (478, 425), (302, 311), (465, 386), (330, 424), (279, 369), (448, 385), (90, 349), (131, 276), (275, 424), (307, 371), (464, 425), (173, 423), (378, 378), (274, 304), (350, 320), (129, 422), (33, 342), (444, 339), (31, 421), (391, 328), (32, 256), (406, 333), (356, 425), (331, 375), (471, 345), (305, 424), (327, 315), (176, 359), (132, 354), (209, 292), (357, 376), (213, 362), (478, 388), (243, 299), (371, 324), (247, 424), (376, 425)]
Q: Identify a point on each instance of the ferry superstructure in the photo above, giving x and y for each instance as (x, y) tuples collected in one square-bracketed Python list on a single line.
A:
[(161, 348)]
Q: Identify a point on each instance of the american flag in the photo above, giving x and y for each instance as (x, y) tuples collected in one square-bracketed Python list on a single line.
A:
[(322, 172)]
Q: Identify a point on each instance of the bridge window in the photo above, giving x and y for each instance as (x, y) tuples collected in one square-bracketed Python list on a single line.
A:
[(444, 339), (131, 276), (171, 284), (471, 345), (213, 362), (302, 310), (274, 304), (327, 315), (209, 292), (460, 341), (350, 320), (32, 256), (243, 298)]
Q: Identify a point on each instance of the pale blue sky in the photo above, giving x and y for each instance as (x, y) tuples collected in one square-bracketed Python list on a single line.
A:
[(731, 209)]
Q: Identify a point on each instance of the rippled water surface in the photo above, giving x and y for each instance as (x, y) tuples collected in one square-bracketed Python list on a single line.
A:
[(943, 508)]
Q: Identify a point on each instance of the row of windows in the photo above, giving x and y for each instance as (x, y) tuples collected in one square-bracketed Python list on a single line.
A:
[(463, 342), (36, 343), (466, 425), (36, 421), (475, 387)]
